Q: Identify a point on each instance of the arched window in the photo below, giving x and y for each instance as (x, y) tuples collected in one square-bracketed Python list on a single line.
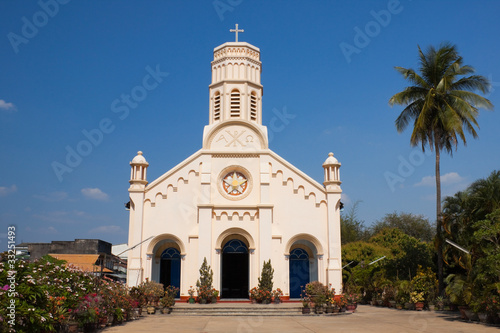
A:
[(217, 106), (253, 106), (235, 103)]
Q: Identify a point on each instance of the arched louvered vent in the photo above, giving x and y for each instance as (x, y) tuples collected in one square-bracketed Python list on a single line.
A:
[(235, 103), (217, 106), (253, 106)]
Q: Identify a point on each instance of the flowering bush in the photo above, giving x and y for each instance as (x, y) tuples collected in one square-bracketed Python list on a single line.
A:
[(191, 291), (277, 293), (304, 298), (48, 294), (352, 298), (341, 301), (169, 299), (151, 288), (90, 309), (260, 295), (317, 292)]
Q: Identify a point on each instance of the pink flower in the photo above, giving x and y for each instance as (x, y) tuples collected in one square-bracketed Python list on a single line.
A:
[(6, 287)]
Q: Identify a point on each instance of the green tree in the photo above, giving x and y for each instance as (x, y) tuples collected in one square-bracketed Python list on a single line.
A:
[(441, 103), (413, 225), (352, 229), (266, 277), (206, 276), (472, 220)]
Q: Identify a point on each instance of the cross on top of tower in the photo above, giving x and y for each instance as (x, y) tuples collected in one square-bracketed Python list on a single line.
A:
[(236, 31)]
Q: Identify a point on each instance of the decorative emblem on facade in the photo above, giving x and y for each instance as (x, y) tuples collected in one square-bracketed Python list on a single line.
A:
[(235, 183)]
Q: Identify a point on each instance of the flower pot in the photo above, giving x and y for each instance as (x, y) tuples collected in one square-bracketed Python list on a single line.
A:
[(111, 317), (151, 310), (144, 310), (399, 306), (419, 306), (470, 315), (89, 327), (277, 300), (462, 309), (306, 310), (166, 310), (432, 307), (351, 307), (72, 327), (318, 310), (329, 309), (214, 300), (191, 300), (103, 322), (483, 317)]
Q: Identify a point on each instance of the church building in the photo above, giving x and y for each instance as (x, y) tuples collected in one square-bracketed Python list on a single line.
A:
[(235, 202)]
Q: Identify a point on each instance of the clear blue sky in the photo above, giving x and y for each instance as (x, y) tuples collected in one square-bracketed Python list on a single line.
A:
[(61, 73)]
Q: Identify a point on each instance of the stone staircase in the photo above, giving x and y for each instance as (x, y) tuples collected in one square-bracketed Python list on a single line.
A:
[(237, 309)]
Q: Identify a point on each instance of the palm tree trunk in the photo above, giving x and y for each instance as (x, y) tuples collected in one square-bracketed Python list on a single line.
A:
[(439, 230)]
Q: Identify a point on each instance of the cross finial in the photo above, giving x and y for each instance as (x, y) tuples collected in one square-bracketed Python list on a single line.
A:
[(237, 30)]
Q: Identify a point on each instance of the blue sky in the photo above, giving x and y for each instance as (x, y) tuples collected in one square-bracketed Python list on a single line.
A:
[(62, 67)]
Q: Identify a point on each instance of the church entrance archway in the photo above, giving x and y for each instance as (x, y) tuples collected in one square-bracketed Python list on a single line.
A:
[(234, 269), (303, 266), (299, 271), (170, 268)]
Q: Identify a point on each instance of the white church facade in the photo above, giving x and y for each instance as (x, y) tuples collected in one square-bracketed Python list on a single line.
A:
[(235, 202)]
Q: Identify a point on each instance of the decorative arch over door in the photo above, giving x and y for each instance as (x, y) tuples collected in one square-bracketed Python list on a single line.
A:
[(170, 268)]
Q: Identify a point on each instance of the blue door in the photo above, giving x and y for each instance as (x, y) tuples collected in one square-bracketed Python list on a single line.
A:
[(299, 271), (170, 268)]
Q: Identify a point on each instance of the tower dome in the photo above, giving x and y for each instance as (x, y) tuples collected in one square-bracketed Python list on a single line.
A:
[(138, 172)]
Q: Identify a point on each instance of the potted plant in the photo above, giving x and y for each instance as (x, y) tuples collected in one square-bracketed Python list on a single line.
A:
[(352, 301), (318, 294), (305, 302), (277, 295), (191, 299), (204, 283), (459, 291), (439, 303), (341, 303), (168, 300), (215, 294), (417, 298), (153, 291), (254, 295)]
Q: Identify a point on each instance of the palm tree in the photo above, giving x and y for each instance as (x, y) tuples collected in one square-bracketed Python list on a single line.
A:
[(441, 103)]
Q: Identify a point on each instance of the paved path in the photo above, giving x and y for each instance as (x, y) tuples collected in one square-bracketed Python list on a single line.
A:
[(366, 319)]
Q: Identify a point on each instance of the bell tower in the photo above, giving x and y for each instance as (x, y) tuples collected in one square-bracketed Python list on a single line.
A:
[(235, 91)]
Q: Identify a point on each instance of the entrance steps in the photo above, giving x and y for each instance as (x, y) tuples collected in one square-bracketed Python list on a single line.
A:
[(237, 309)]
